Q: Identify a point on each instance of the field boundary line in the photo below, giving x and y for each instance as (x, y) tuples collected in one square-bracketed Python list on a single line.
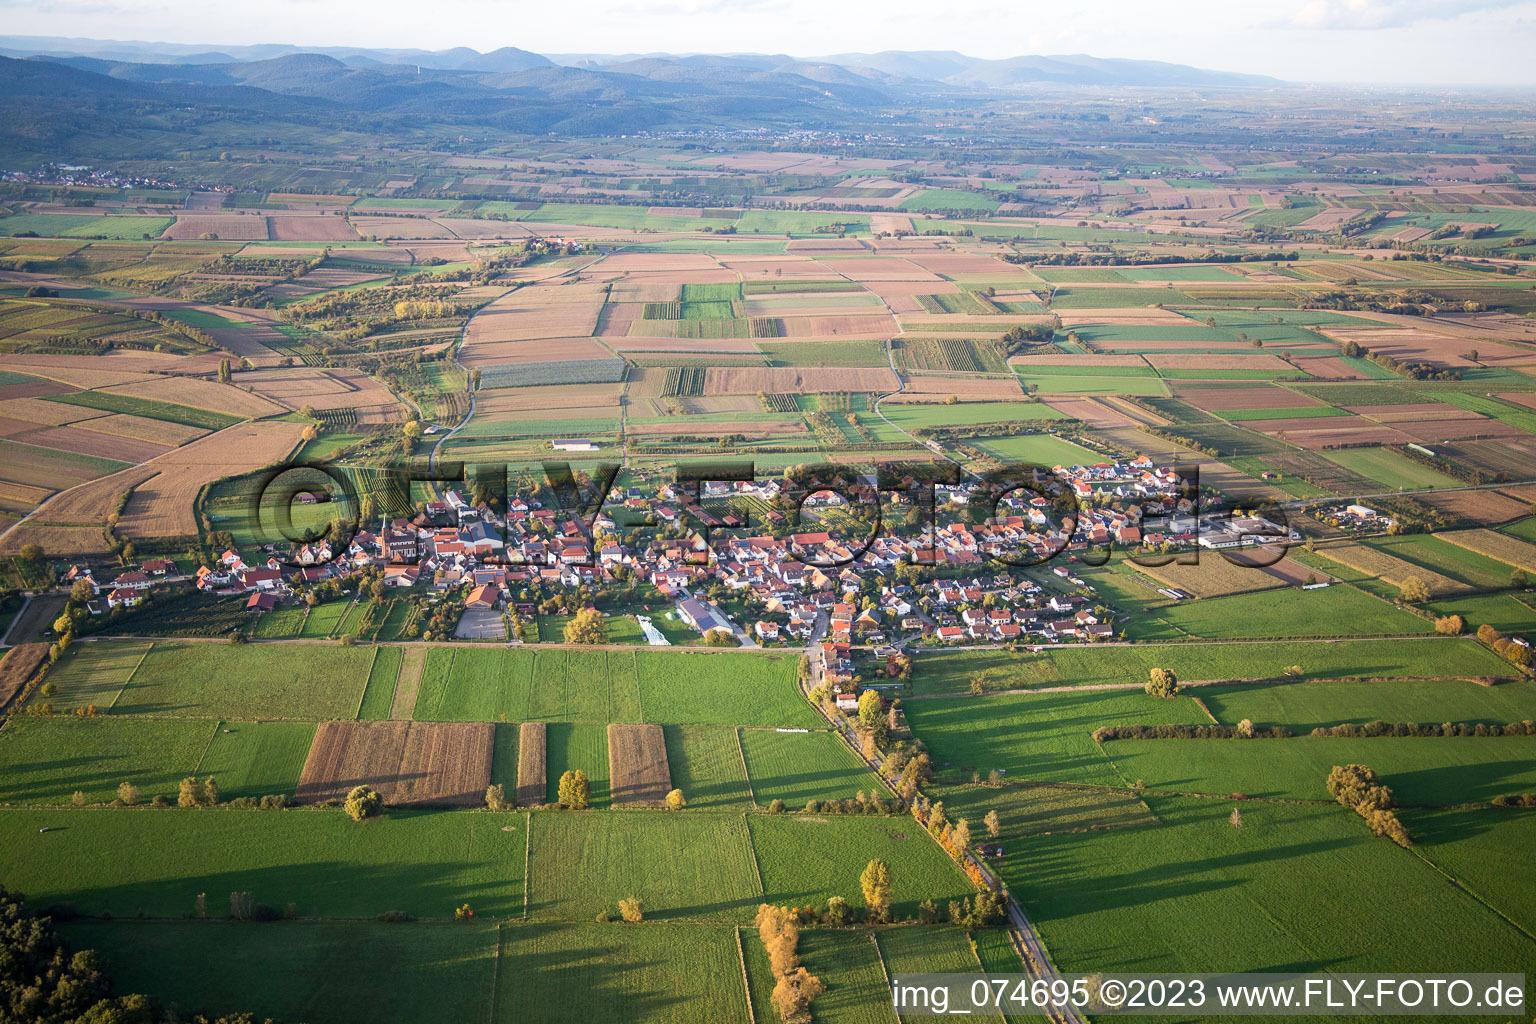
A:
[(874, 938), (527, 860), (746, 982), (136, 666), (745, 772), (490, 1012), (208, 746), (1458, 883), (362, 698), (639, 694), (752, 850)]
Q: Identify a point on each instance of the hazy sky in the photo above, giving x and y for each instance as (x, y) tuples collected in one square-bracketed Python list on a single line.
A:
[(1397, 41)]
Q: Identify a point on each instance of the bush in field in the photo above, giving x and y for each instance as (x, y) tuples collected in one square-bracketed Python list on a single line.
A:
[(363, 802), (792, 995), (1451, 625), (575, 791), (128, 793), (1162, 683), (994, 824), (876, 885), (586, 627), (496, 797), (1414, 590), (675, 800), (1358, 787), (839, 913), (631, 910), (195, 792)]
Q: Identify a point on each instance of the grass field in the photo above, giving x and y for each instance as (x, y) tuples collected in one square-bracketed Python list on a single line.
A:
[(257, 759), (1429, 771), (808, 859), (796, 767), (950, 672), (492, 684), (1389, 468), (45, 760), (1045, 738), (1039, 450), (206, 680), (433, 973), (569, 747), (680, 865), (425, 863), (576, 974), (1296, 888), (1482, 850), (706, 765), (93, 674), (379, 697), (1302, 707), (1336, 611)]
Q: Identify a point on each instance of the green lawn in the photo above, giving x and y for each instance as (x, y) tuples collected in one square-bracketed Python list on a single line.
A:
[(1039, 450), (168, 412), (723, 689), (1482, 850), (915, 415)]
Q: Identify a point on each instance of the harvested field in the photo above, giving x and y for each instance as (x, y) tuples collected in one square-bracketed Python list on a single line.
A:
[(1476, 506), (407, 762), (199, 394), (531, 760), (781, 380), (716, 428), (925, 388), (1389, 568), (1091, 412), (310, 229), (143, 429), (41, 412), (384, 228), (1206, 361), (637, 765), (1264, 396), (843, 328), (1498, 546), (165, 488), (17, 666), (1214, 576), (1064, 359), (325, 389), (89, 442), (877, 268), (224, 226), (1328, 368)]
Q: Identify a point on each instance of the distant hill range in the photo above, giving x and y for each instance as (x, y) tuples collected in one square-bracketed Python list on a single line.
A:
[(54, 90)]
